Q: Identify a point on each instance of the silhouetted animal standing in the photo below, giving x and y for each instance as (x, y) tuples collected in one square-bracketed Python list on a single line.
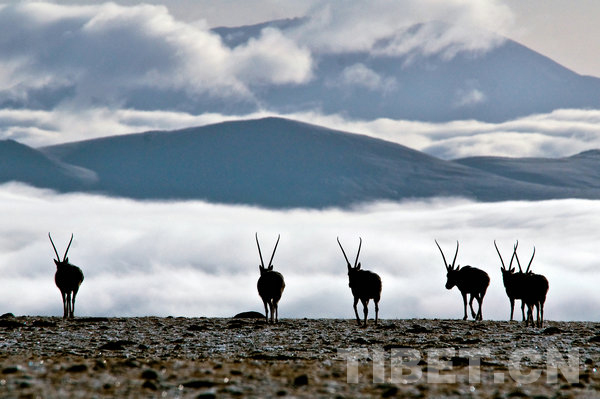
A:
[(536, 289), (364, 284), (514, 283), (469, 280), (270, 284), (68, 278)]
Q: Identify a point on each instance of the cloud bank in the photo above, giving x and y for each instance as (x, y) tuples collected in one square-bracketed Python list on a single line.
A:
[(199, 259)]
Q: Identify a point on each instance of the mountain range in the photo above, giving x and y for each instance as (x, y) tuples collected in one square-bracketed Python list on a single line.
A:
[(506, 82), (281, 163)]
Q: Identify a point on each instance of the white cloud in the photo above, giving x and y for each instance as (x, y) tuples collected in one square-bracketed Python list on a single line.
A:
[(389, 27), (206, 253), (108, 54), (359, 75)]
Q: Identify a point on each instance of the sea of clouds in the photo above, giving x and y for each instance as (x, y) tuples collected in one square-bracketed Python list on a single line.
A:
[(198, 259)]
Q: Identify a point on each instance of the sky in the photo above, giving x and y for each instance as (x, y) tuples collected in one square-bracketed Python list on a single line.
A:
[(198, 259)]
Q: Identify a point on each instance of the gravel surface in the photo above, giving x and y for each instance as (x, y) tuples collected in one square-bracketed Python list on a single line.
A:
[(216, 357)]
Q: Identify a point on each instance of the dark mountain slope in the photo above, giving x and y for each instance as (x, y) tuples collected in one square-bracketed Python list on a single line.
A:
[(24, 164), (282, 163)]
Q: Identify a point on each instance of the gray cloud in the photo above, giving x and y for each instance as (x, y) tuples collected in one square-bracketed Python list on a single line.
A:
[(193, 258), (111, 55)]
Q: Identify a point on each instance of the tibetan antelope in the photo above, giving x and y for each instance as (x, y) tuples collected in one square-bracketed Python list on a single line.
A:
[(536, 289), (68, 278), (514, 283), (270, 284), (365, 285), (469, 280)]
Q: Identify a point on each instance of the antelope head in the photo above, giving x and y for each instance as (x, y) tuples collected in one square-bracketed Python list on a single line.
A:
[(262, 267), (450, 269), (65, 260), (356, 267), (510, 270)]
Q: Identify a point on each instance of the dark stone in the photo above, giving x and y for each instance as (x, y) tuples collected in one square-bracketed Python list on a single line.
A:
[(116, 345), (7, 316), (301, 380), (43, 323), (77, 368), (198, 384), (249, 315), (10, 370), (149, 374), (551, 331), (149, 385)]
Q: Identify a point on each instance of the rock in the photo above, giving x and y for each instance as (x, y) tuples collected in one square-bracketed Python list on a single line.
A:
[(198, 384), (149, 385), (118, 345), (551, 331), (249, 315), (301, 380), (77, 368), (149, 374), (7, 316)]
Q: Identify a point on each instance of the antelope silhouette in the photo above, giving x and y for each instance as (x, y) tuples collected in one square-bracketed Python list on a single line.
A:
[(364, 284), (68, 278), (514, 283), (270, 284), (469, 280), (535, 291)]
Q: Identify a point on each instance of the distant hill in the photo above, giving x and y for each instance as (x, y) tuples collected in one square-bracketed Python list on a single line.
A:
[(24, 164), (505, 83), (281, 163)]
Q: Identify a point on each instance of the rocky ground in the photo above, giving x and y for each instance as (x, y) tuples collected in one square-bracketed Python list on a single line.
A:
[(210, 357)]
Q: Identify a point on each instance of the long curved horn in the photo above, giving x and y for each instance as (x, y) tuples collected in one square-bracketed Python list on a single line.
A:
[(274, 249), (358, 253), (455, 255), (501, 260), (446, 265), (53, 246), (259, 253), (344, 252), (518, 263), (68, 246), (528, 266), (517, 257), (513, 255)]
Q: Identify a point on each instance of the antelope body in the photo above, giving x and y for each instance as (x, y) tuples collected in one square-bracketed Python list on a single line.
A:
[(270, 285), (364, 284), (515, 284), (68, 278), (469, 280), (536, 289)]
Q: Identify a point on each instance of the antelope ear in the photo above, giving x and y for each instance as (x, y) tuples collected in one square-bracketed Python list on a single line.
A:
[(512, 270), (55, 262), (349, 266), (271, 267), (262, 269), (457, 267), (358, 266)]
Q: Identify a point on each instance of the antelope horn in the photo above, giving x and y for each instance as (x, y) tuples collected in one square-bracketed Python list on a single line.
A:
[(501, 260), (517, 257), (259, 253), (68, 246), (455, 255), (358, 253), (446, 265), (55, 251), (513, 255), (274, 249), (342, 248), (528, 266)]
